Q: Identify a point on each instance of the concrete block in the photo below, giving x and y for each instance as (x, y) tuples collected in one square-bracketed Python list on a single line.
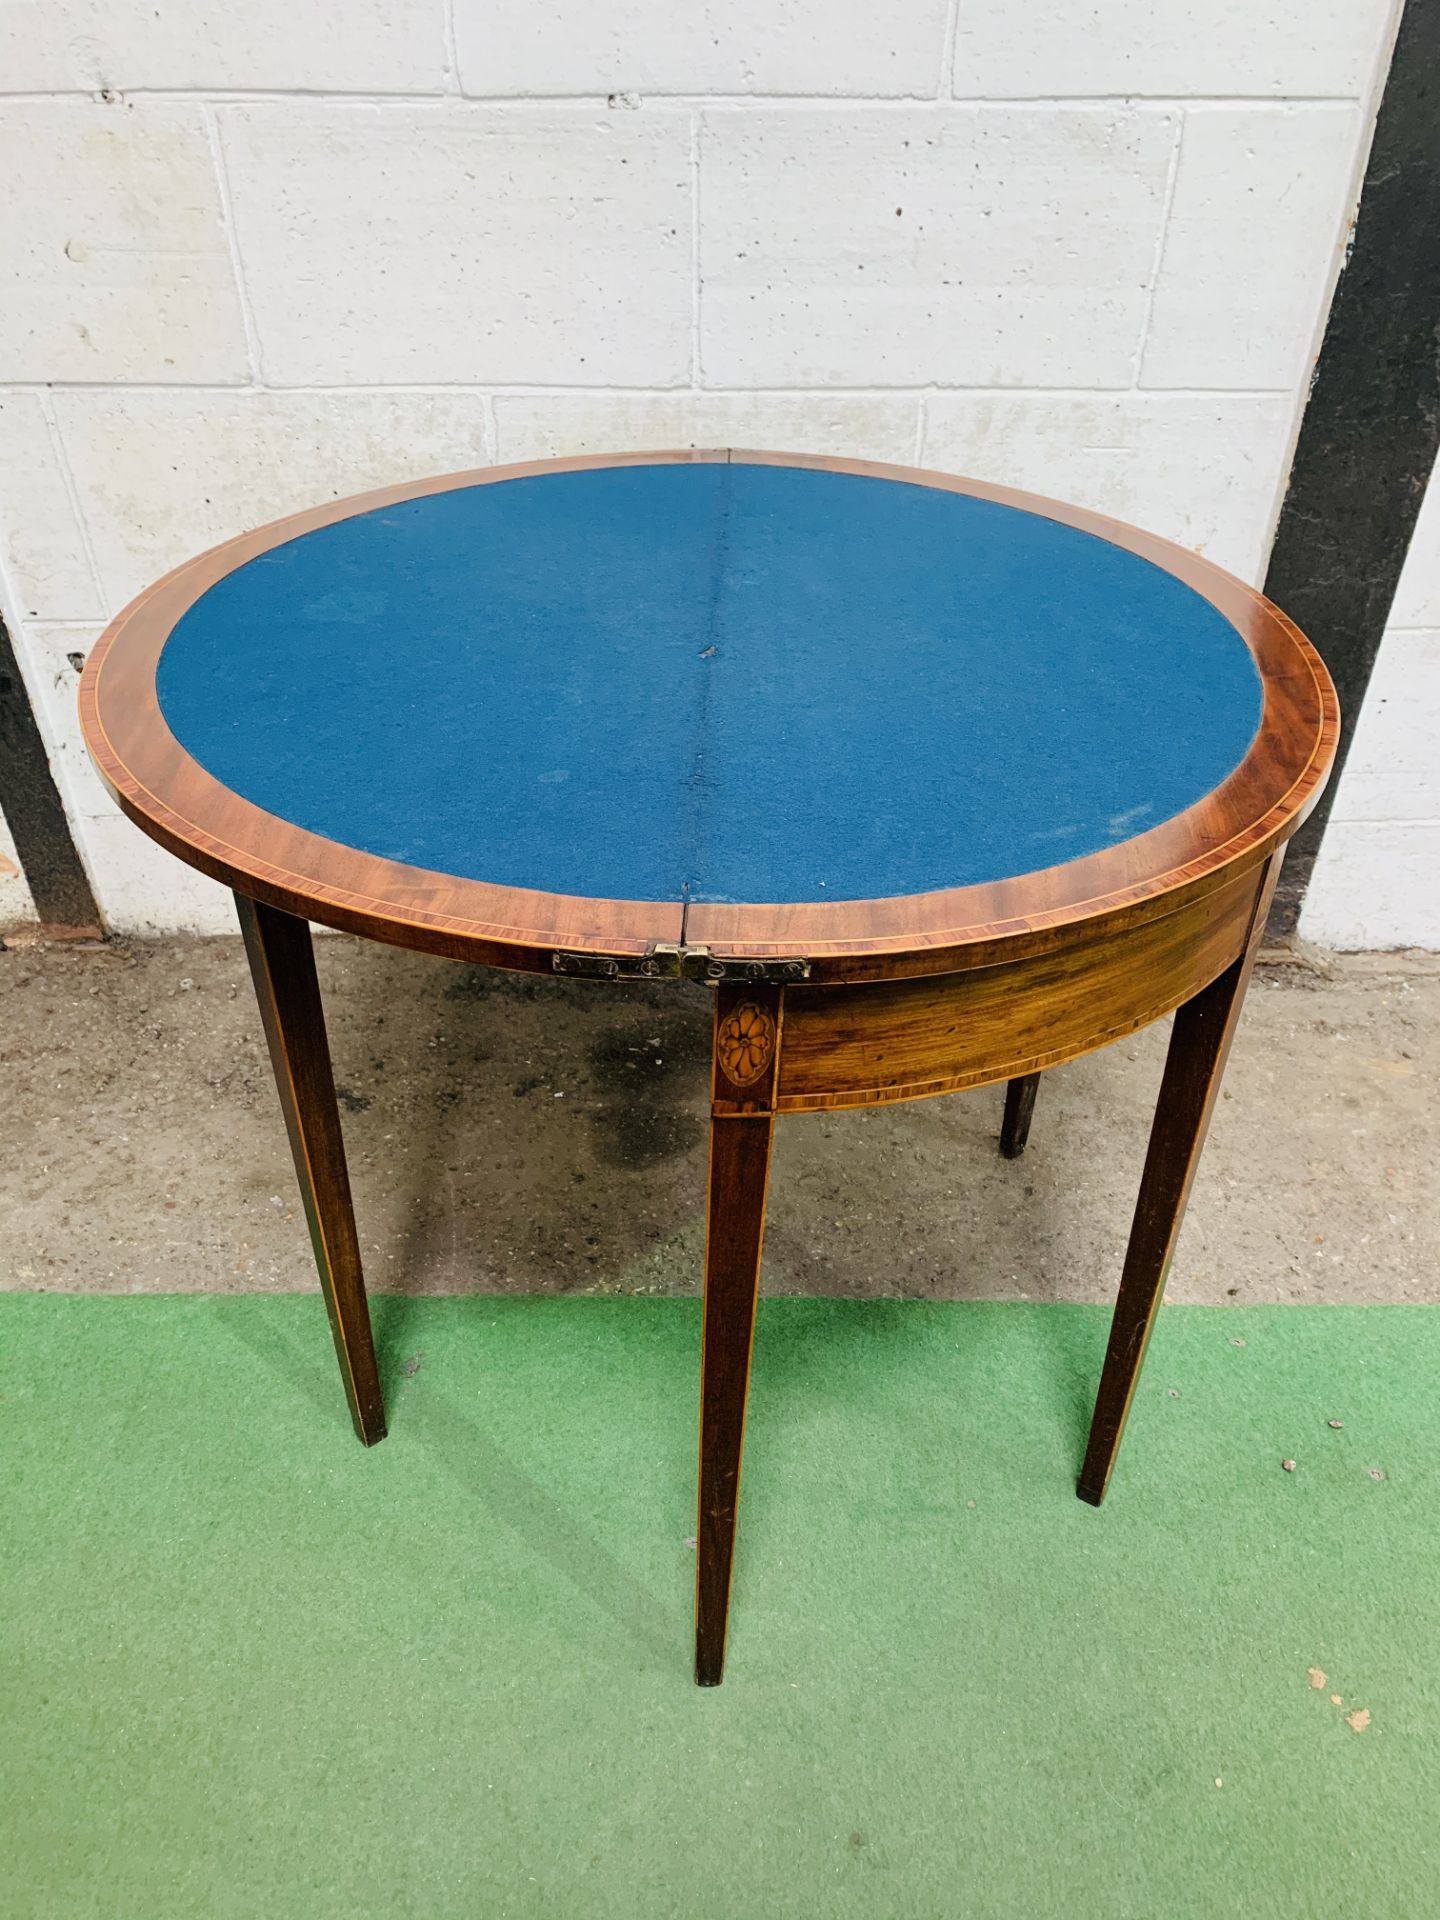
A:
[(1258, 219), (1393, 769), (747, 46), (49, 658), (41, 546), (141, 889), (384, 46), (1376, 884), (1202, 471), (1053, 47), (545, 425), (1417, 599), (163, 475), (464, 244), (17, 908), (110, 228), (970, 247)]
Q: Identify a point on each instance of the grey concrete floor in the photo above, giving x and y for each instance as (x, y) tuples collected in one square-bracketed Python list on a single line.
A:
[(512, 1134)]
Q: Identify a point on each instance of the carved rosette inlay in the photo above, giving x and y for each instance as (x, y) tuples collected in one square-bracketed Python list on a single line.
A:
[(745, 1044)]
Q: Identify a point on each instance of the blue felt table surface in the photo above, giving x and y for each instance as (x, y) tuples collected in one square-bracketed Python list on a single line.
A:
[(711, 681)]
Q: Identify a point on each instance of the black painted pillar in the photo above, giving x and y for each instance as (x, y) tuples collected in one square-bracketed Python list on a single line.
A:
[(33, 810), (1372, 422)]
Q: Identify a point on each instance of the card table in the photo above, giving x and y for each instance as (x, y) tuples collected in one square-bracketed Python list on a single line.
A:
[(931, 783)]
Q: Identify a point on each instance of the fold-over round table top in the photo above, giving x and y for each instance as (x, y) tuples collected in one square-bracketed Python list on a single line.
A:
[(762, 700)]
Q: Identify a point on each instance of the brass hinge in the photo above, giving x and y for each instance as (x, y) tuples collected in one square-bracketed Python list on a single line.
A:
[(699, 963), (663, 961), (659, 962)]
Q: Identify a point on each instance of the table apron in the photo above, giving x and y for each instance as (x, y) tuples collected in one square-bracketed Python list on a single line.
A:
[(856, 1046)]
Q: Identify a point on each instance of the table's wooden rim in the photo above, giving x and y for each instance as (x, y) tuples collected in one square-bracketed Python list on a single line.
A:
[(171, 796)]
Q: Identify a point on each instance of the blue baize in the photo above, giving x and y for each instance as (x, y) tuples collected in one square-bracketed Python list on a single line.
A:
[(713, 682)]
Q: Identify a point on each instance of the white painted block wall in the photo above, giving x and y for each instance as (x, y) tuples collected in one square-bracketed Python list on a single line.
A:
[(1377, 880), (16, 906), (259, 256)]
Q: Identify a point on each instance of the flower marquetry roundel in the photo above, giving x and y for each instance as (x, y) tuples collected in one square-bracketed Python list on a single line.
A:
[(745, 1044)]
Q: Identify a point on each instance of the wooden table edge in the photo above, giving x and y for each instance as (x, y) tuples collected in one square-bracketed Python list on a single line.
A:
[(173, 799)]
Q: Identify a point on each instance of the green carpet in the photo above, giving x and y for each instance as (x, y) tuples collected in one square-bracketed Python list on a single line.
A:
[(252, 1670)]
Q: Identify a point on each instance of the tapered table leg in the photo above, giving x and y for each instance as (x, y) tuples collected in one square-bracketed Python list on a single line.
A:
[(1019, 1106), (282, 965), (1199, 1046), (747, 1023)]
